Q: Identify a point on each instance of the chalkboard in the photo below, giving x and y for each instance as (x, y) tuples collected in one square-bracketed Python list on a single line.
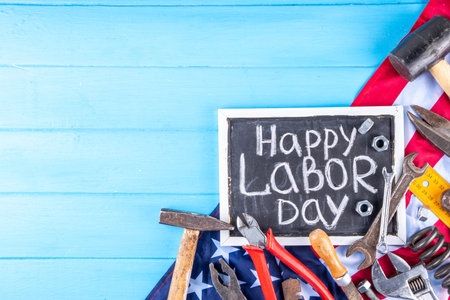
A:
[(295, 170)]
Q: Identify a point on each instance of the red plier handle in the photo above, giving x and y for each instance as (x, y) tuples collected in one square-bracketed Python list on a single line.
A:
[(282, 254), (262, 270)]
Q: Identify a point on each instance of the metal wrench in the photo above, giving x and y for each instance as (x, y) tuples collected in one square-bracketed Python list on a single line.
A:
[(409, 283), (367, 245), (382, 245)]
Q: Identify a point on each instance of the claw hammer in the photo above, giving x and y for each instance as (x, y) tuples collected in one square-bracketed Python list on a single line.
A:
[(192, 224)]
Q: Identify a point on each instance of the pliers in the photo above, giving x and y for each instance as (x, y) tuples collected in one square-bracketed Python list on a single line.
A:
[(252, 232), (232, 291), (433, 127)]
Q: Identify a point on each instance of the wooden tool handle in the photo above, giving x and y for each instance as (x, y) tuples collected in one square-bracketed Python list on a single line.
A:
[(291, 289), (321, 243), (183, 266), (441, 72)]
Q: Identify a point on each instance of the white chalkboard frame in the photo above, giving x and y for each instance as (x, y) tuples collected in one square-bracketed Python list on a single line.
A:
[(225, 114)]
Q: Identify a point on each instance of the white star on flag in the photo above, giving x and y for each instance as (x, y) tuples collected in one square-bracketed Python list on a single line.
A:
[(197, 286), (257, 283), (223, 251), (308, 290)]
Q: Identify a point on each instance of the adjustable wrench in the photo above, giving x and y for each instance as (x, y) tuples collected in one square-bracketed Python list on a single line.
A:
[(409, 283), (368, 244)]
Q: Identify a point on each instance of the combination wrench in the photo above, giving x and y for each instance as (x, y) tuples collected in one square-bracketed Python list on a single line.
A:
[(382, 245), (367, 245)]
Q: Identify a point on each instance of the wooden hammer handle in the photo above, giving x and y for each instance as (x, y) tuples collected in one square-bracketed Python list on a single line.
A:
[(321, 243), (183, 266), (441, 72)]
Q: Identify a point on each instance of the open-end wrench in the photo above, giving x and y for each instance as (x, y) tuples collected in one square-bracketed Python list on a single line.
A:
[(382, 245), (367, 245)]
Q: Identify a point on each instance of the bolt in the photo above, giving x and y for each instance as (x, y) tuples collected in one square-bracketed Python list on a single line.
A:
[(364, 288), (423, 213), (364, 208), (365, 126)]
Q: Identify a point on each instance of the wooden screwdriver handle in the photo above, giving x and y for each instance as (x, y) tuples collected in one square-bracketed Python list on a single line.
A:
[(441, 72), (321, 243), (183, 266)]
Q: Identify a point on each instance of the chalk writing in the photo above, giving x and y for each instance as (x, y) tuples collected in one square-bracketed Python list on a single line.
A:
[(304, 173)]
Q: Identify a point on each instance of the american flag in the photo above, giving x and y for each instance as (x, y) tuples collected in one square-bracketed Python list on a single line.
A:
[(385, 87)]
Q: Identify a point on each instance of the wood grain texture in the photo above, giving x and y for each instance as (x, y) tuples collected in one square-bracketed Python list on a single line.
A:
[(183, 265), (203, 2), (112, 279), (93, 225), (162, 98), (284, 36), (108, 113), (109, 161)]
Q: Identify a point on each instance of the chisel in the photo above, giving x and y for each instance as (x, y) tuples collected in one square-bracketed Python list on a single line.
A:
[(321, 243)]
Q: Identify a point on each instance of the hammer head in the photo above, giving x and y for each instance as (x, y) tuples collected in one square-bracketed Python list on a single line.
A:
[(192, 221), (422, 49)]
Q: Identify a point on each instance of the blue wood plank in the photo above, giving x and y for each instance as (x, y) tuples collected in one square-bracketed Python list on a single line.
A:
[(205, 2), (93, 225), (288, 36), (163, 98), (79, 189), (79, 279), (103, 161)]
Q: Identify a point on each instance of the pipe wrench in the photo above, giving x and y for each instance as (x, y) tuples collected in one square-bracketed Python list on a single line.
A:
[(251, 231)]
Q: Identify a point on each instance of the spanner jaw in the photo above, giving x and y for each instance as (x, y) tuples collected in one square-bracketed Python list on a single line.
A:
[(368, 252), (412, 284)]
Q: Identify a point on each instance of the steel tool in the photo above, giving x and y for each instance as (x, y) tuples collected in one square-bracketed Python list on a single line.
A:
[(232, 291), (249, 228), (425, 49), (321, 243), (192, 224), (367, 245), (364, 208), (433, 254), (409, 283), (382, 245), (292, 289), (433, 127), (365, 288), (445, 200)]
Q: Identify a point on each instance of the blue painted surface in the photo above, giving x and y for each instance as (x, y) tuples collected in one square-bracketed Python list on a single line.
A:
[(109, 112)]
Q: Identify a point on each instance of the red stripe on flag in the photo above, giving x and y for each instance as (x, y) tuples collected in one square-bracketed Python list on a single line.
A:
[(383, 88), (385, 85), (427, 153)]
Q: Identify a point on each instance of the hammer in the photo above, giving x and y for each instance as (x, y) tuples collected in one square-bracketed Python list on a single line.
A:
[(192, 224), (425, 49)]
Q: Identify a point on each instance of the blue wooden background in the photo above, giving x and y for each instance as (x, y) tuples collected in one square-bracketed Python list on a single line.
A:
[(108, 112)]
